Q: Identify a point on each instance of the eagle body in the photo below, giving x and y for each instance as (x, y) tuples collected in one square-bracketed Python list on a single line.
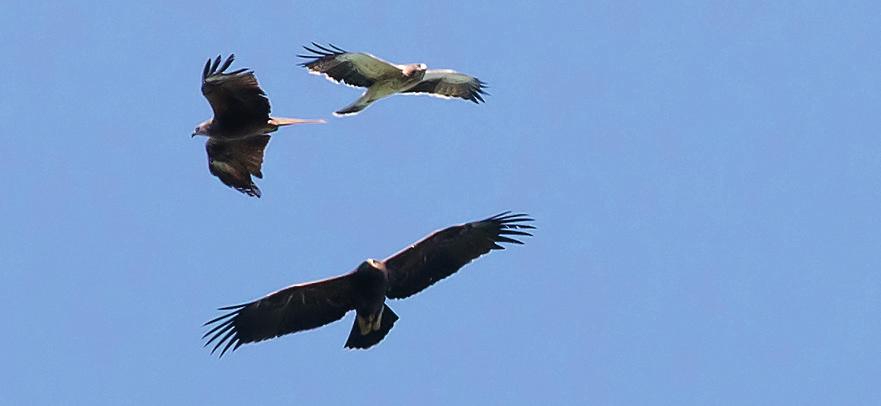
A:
[(369, 283)]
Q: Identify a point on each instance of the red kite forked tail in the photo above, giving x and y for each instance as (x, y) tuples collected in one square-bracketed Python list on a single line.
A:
[(281, 121)]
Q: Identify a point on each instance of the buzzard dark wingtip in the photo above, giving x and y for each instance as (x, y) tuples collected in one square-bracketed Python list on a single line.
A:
[(324, 48), (205, 69), (340, 50), (322, 51), (319, 54), (476, 96)]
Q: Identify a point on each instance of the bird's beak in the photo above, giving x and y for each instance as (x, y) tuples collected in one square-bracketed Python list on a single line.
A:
[(192, 135)]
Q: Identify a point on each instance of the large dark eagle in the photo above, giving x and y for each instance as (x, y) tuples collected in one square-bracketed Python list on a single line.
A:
[(239, 131), (383, 79), (364, 290)]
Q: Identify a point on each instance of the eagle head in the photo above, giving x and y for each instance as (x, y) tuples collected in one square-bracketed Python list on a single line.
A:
[(370, 271), (372, 263)]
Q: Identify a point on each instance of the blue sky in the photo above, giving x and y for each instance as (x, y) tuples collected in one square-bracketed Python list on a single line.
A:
[(705, 178)]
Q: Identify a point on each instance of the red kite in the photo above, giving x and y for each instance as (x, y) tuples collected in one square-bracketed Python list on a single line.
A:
[(239, 131)]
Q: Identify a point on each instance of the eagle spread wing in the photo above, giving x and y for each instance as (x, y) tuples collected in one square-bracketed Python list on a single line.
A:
[(442, 253), (352, 68), (236, 97), (448, 83), (234, 161), (295, 308)]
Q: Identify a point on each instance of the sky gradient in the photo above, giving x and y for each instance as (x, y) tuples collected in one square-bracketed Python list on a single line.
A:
[(706, 180)]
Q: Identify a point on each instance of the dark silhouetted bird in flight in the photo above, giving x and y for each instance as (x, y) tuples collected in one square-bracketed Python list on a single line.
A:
[(365, 290)]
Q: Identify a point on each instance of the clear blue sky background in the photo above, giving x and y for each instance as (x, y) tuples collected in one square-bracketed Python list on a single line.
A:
[(705, 178)]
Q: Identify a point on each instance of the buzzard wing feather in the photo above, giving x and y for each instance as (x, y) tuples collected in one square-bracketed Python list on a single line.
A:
[(352, 68), (448, 83)]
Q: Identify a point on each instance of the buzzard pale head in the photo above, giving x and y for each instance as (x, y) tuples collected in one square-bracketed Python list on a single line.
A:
[(415, 70)]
